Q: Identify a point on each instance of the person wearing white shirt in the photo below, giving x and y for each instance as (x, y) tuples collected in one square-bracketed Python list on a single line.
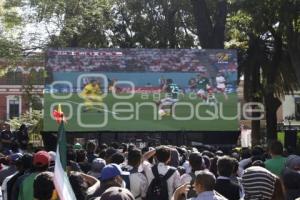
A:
[(138, 183), (221, 87), (163, 156)]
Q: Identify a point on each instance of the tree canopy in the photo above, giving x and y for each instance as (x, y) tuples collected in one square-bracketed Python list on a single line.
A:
[(265, 32)]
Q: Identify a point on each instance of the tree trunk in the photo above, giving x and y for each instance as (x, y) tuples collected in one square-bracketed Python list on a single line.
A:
[(219, 28), (203, 23), (211, 36), (292, 33), (252, 85), (295, 59), (171, 29), (272, 104)]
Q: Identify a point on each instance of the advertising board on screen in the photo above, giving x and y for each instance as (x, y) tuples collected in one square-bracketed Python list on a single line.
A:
[(142, 89)]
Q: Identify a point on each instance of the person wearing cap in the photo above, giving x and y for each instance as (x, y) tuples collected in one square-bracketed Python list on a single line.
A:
[(96, 168), (116, 193), (11, 163), (77, 146), (41, 162), (291, 177), (111, 175)]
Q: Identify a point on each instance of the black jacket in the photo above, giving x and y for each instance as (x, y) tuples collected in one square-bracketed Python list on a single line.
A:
[(228, 189)]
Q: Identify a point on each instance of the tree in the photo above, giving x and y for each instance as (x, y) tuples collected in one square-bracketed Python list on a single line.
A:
[(273, 64), (34, 121), (290, 19)]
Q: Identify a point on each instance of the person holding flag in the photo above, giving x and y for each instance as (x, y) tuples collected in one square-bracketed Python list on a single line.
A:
[(92, 95)]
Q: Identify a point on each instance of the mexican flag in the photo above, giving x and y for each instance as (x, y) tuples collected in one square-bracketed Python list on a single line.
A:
[(61, 180)]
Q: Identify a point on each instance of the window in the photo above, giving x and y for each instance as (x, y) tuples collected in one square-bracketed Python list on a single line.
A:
[(13, 104)]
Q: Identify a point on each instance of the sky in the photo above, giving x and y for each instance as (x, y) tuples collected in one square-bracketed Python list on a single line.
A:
[(32, 34)]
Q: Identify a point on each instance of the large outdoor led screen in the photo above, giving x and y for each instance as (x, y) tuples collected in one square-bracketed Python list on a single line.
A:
[(142, 89)]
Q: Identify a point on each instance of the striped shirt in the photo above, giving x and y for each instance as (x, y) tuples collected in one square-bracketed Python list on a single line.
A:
[(258, 183)]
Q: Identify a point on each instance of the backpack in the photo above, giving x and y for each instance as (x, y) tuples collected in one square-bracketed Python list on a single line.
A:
[(158, 188), (192, 193)]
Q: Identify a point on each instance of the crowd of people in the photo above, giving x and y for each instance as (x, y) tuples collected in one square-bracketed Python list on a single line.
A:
[(134, 60), (125, 172)]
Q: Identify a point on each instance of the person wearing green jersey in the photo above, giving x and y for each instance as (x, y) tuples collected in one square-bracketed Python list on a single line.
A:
[(172, 92), (202, 86)]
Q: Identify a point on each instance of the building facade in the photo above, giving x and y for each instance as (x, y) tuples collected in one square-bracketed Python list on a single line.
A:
[(21, 90)]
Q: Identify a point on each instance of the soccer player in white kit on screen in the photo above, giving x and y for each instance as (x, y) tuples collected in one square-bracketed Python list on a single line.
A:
[(221, 84)]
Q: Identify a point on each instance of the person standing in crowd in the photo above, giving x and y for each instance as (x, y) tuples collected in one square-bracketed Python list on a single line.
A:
[(259, 183), (291, 177), (10, 161), (7, 139), (277, 162), (72, 165), (22, 137), (82, 160), (43, 187), (204, 186), (83, 185), (23, 165), (91, 148), (111, 176), (137, 182), (41, 162), (172, 176), (174, 162), (97, 165), (116, 193), (196, 162), (224, 185), (118, 158)]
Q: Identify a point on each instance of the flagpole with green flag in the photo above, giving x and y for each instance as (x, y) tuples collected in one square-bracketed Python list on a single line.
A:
[(61, 180)]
